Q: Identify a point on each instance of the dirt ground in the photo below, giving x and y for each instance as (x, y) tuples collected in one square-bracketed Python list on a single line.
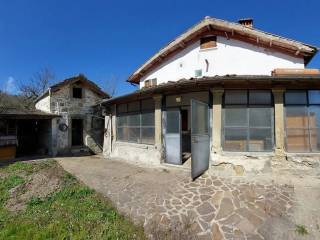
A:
[(280, 204), (37, 185)]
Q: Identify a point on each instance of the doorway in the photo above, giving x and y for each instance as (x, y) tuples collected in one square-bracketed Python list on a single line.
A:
[(77, 132), (187, 136)]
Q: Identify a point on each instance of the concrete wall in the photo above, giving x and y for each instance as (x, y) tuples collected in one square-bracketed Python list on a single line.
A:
[(229, 57), (136, 153)]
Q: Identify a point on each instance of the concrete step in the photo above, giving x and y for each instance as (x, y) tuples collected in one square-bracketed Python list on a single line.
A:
[(80, 151)]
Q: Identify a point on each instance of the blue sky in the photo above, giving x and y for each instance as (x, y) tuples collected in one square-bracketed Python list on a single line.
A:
[(110, 39)]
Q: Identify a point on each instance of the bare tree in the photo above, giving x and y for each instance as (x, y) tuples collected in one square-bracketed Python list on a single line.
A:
[(37, 85), (111, 85)]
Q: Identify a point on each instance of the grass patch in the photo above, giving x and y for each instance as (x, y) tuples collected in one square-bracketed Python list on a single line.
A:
[(301, 230), (73, 212)]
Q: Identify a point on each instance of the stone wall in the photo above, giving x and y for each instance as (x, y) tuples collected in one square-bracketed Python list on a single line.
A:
[(62, 103)]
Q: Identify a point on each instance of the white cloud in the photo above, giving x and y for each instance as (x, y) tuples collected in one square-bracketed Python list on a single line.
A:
[(10, 86)]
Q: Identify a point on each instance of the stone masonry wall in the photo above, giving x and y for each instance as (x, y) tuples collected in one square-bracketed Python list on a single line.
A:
[(62, 103)]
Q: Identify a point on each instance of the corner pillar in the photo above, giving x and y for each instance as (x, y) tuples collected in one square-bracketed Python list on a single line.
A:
[(158, 120), (279, 121), (107, 141), (216, 120)]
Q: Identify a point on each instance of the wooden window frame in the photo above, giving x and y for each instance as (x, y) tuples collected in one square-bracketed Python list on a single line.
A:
[(307, 128), (73, 92), (208, 42)]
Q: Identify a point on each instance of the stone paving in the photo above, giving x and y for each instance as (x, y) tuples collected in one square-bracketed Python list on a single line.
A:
[(171, 206)]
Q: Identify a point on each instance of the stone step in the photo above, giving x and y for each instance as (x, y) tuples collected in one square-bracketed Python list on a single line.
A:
[(80, 151)]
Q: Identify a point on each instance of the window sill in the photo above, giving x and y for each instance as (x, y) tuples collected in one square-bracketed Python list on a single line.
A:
[(302, 154), (207, 49), (136, 145), (249, 154)]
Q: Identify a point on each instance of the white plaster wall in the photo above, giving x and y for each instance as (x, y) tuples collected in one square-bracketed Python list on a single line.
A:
[(44, 104), (229, 57)]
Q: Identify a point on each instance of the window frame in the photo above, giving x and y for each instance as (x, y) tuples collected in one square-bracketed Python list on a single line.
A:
[(307, 128), (140, 112), (247, 127), (73, 88), (209, 39)]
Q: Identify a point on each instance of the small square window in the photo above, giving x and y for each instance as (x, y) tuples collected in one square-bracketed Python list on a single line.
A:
[(208, 42), (147, 83), (154, 82), (198, 73), (77, 92)]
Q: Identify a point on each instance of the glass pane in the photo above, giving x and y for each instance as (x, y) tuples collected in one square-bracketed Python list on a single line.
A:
[(147, 119), (260, 139), (235, 139), (314, 116), (134, 135), (260, 117), (260, 97), (236, 97), (121, 121), (134, 120), (3, 127), (236, 116), (134, 106), (315, 140), (122, 108), (314, 97), (296, 97), (199, 121), (173, 121), (297, 140), (147, 104), (296, 117), (122, 134), (147, 135)]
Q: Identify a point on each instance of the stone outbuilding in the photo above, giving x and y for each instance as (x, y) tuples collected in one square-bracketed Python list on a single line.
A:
[(79, 124)]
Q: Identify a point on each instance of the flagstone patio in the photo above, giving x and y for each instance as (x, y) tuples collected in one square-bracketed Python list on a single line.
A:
[(171, 206)]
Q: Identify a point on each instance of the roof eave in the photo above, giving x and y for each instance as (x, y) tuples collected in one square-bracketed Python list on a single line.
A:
[(307, 49)]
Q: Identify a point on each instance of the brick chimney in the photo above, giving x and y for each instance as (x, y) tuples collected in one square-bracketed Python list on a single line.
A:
[(247, 22)]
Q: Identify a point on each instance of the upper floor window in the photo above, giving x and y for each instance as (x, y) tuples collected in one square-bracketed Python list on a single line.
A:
[(77, 92), (302, 120), (208, 42), (150, 82)]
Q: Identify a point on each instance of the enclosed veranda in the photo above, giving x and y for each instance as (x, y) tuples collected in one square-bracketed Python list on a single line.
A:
[(192, 123)]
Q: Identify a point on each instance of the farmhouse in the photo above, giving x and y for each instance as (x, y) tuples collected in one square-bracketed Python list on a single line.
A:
[(221, 92), (66, 120)]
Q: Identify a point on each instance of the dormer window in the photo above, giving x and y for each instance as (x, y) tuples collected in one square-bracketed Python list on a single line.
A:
[(77, 92), (208, 42)]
